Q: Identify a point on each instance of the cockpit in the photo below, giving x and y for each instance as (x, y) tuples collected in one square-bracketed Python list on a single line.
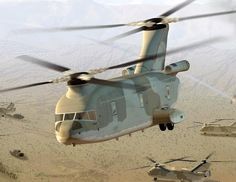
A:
[(85, 116)]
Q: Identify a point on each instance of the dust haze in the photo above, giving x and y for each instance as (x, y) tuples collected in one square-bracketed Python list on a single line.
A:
[(48, 160)]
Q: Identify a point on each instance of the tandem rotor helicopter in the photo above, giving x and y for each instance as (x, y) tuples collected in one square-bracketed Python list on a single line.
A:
[(197, 173), (95, 110)]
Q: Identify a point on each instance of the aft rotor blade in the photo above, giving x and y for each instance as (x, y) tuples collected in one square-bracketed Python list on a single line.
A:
[(198, 166), (176, 8), (223, 161), (183, 159), (206, 15), (126, 34), (43, 63), (149, 58), (26, 86), (151, 160), (209, 155), (174, 160)]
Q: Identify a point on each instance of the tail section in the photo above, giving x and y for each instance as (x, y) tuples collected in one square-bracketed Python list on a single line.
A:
[(154, 42)]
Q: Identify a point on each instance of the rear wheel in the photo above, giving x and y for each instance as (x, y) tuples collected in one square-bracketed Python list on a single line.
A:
[(170, 126), (162, 127)]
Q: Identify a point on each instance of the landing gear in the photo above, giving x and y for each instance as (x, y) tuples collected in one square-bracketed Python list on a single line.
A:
[(170, 126), (162, 127), (155, 179)]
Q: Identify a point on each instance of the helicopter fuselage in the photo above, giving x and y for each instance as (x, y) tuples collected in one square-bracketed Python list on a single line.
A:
[(92, 113), (218, 130), (181, 174)]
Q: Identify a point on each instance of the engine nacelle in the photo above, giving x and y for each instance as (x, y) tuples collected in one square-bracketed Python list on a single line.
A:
[(177, 67), (167, 116)]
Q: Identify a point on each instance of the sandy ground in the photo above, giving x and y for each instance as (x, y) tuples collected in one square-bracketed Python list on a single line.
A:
[(110, 161)]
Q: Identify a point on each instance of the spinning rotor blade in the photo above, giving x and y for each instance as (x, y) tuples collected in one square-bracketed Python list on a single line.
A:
[(183, 159), (196, 122), (209, 155), (149, 58), (176, 8), (126, 34), (151, 160), (111, 83), (26, 86), (223, 161), (217, 120), (206, 15), (142, 167), (79, 28), (43, 63)]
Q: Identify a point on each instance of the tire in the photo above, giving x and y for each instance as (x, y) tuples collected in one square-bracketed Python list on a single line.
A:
[(162, 127), (170, 126)]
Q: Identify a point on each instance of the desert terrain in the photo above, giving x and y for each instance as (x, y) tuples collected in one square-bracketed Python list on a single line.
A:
[(111, 161)]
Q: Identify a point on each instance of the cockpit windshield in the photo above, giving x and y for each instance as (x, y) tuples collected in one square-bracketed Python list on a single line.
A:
[(69, 116), (88, 116), (59, 117)]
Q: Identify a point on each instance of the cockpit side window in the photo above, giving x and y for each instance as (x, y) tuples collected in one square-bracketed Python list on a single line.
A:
[(69, 116), (59, 117), (82, 116)]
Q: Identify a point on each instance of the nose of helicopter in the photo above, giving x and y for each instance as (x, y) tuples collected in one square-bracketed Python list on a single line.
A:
[(63, 131)]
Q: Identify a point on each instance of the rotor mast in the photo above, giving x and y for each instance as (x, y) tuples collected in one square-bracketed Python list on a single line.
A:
[(154, 41)]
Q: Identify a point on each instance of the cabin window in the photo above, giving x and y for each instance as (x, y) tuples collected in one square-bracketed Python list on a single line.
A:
[(92, 115), (82, 116), (59, 117), (113, 108), (69, 116), (141, 103)]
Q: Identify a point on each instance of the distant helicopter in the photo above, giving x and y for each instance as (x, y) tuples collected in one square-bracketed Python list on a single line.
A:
[(198, 173), (9, 110), (213, 129), (96, 110)]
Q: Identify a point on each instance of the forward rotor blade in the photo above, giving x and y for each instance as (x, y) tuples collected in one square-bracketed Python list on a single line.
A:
[(73, 28), (111, 83), (126, 34), (206, 15), (149, 58), (176, 8), (174, 160), (26, 86), (141, 167), (151, 160), (43, 63)]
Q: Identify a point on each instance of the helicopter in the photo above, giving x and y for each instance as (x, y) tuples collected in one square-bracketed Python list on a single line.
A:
[(214, 129), (6, 112), (96, 110), (197, 173)]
